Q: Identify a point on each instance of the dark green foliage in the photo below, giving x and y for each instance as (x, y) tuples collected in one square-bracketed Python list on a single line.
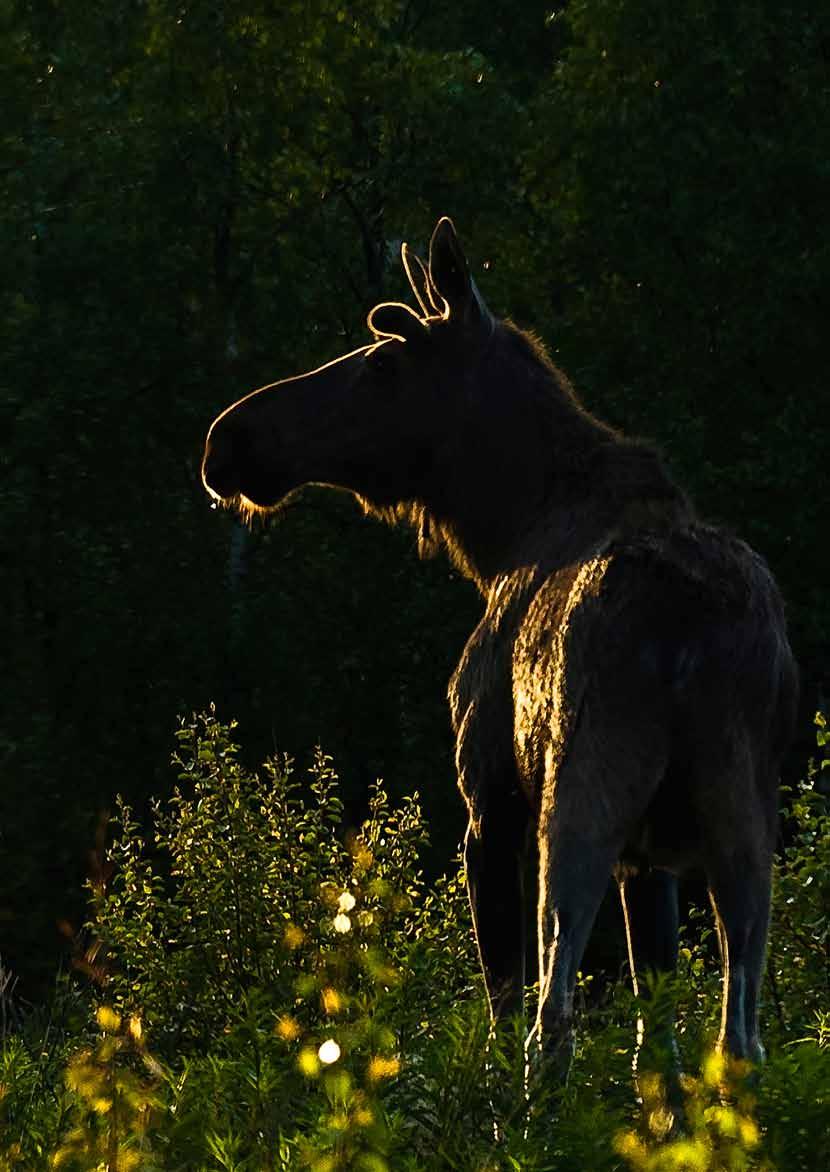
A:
[(195, 203), (799, 962), (233, 892), (680, 206), (224, 964)]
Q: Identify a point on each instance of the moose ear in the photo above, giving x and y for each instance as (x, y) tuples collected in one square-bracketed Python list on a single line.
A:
[(450, 276), (393, 319), (418, 277)]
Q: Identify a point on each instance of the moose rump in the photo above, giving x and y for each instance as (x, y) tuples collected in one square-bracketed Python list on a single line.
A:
[(652, 697), (624, 703)]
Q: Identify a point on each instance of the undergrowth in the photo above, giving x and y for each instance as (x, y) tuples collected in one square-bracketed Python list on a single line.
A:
[(267, 994)]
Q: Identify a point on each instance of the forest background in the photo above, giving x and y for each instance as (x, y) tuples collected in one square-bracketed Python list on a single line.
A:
[(197, 200)]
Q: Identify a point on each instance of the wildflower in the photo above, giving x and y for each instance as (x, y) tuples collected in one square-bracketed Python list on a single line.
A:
[(108, 1020), (308, 1063), (631, 1147), (346, 902), (714, 1068), (287, 1028), (332, 1000), (329, 1052), (293, 936), (380, 1067), (82, 1075), (342, 923), (748, 1128)]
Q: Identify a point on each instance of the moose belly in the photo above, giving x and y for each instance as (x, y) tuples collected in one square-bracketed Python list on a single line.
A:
[(669, 833)]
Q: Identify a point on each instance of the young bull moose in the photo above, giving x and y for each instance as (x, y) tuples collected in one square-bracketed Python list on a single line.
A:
[(625, 701)]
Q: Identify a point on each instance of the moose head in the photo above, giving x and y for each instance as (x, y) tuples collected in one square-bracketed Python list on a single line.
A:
[(375, 421), (444, 420)]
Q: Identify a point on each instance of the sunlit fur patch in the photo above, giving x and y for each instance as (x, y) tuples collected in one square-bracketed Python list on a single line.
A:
[(247, 511), (431, 536), (586, 583), (549, 705)]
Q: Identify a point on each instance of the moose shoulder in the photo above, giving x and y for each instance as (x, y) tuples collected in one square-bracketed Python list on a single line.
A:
[(624, 704)]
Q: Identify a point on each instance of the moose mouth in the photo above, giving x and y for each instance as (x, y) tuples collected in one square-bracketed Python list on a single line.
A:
[(246, 499), (234, 477)]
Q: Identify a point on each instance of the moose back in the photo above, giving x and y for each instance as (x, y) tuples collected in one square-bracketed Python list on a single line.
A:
[(625, 701)]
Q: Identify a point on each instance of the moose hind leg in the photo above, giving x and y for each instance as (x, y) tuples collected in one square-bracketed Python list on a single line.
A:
[(650, 907), (494, 860), (741, 900)]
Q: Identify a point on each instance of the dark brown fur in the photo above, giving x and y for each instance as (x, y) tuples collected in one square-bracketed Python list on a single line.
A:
[(625, 701)]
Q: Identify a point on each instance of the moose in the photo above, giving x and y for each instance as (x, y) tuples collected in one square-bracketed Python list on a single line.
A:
[(622, 708)]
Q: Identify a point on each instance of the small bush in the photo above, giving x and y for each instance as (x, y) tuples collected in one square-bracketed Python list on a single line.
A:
[(278, 969), (799, 961), (272, 994)]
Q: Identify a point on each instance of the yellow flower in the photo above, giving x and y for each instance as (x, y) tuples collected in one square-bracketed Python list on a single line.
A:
[(332, 1001), (308, 1063), (82, 1076), (293, 936), (630, 1147), (135, 1028), (749, 1131), (714, 1068), (108, 1020), (287, 1028), (342, 923), (380, 1067), (346, 901)]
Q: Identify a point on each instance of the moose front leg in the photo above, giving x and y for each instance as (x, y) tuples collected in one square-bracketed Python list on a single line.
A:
[(494, 853)]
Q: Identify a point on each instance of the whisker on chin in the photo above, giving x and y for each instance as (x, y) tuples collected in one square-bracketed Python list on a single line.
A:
[(248, 511)]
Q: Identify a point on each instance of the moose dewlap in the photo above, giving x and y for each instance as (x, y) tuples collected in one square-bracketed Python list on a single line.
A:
[(624, 704)]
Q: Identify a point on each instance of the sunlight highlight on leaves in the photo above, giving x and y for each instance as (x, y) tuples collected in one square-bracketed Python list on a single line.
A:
[(329, 1052)]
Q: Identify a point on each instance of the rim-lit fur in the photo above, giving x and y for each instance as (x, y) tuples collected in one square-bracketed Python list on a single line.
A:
[(624, 704)]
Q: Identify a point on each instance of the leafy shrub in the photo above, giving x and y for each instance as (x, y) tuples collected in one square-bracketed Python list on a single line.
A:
[(272, 996), (268, 959), (111, 1107), (799, 968)]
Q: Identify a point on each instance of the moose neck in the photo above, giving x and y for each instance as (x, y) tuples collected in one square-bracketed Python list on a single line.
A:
[(542, 483)]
